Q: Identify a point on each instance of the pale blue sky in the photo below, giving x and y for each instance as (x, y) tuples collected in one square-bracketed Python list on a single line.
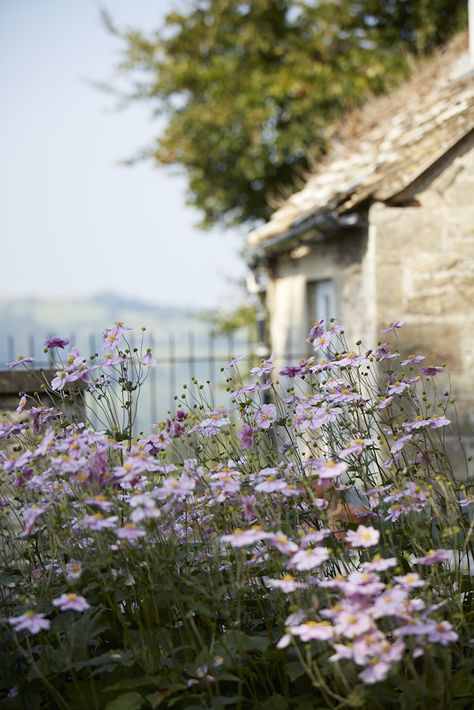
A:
[(72, 220)]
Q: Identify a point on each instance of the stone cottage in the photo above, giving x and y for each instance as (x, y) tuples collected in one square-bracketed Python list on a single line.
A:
[(384, 228)]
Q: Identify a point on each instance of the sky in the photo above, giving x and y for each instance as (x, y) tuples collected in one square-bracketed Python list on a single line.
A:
[(73, 220)]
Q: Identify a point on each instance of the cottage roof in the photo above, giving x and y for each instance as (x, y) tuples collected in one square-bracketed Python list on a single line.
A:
[(382, 148)]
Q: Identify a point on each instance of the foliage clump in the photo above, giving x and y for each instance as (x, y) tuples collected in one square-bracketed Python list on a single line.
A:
[(248, 90)]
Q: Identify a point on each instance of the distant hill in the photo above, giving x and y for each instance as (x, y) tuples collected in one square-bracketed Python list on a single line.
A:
[(26, 322), (180, 339)]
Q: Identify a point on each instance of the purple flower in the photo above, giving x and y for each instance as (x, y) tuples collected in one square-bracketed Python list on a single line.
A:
[(248, 507), (71, 602), (383, 352), (29, 621), (410, 359), (291, 370), (112, 336), (20, 360), (73, 569), (148, 359), (393, 326), (264, 367), (21, 403), (245, 435), (431, 371), (265, 416), (248, 389), (316, 331), (8, 430), (30, 516), (129, 532), (234, 361), (212, 424), (56, 343), (97, 522)]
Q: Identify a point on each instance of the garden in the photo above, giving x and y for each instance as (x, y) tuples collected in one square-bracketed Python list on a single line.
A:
[(306, 547)]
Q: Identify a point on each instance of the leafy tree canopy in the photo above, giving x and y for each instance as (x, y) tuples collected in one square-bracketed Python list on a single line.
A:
[(249, 89)]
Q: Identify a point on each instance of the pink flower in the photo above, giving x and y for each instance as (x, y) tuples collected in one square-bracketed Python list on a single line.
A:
[(433, 556), (287, 584), (443, 633), (245, 435), (71, 602), (176, 487), (411, 580), (282, 543), (390, 603), (20, 360), (356, 446), (379, 564), (212, 424), (313, 631), (129, 532), (242, 538), (264, 367), (265, 416), (309, 558), (363, 536), (29, 621), (270, 485), (352, 623), (327, 469)]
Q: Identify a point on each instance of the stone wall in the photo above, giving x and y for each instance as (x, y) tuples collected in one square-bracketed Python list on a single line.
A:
[(424, 271), (348, 261)]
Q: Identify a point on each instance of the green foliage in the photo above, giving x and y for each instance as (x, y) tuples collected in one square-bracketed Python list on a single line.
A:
[(249, 89)]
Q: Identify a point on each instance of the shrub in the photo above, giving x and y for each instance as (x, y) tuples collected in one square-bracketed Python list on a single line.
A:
[(307, 547)]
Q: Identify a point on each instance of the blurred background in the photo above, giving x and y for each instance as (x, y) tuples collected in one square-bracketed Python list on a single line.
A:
[(235, 102)]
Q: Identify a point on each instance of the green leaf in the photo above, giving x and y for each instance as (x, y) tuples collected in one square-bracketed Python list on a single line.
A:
[(126, 701), (275, 702), (130, 683), (295, 670)]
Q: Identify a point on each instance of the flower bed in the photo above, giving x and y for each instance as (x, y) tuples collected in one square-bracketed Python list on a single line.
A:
[(308, 547)]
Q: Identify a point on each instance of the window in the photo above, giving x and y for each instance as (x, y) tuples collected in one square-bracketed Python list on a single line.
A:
[(322, 301)]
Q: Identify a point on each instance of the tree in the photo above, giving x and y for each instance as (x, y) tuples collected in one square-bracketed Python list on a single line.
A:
[(249, 89)]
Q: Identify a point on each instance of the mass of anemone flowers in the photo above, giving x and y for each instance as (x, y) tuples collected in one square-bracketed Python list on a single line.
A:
[(307, 545)]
